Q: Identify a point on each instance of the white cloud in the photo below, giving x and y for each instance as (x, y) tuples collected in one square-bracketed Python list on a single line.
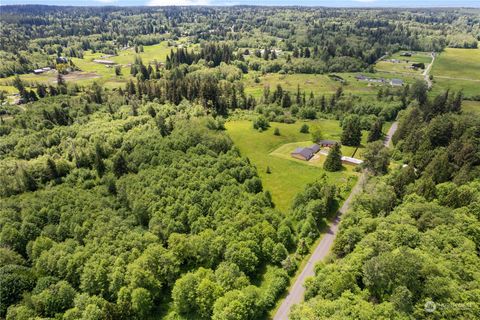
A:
[(178, 3)]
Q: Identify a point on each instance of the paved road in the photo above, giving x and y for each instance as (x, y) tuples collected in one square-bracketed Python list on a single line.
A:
[(297, 291), (426, 73), (390, 133)]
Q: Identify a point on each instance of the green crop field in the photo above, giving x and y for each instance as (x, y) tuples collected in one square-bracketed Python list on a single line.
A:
[(288, 176), (460, 64)]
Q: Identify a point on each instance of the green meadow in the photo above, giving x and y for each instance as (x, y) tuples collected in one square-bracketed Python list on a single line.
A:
[(458, 64), (91, 71), (319, 84), (288, 176)]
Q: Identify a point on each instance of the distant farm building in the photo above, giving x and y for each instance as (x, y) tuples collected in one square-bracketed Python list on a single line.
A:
[(327, 143), (406, 54), (105, 62), (305, 153), (396, 82), (361, 77), (62, 60), (42, 70)]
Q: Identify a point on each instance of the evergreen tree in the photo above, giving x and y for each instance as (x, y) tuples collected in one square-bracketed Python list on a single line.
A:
[(334, 159), (375, 132), (352, 133)]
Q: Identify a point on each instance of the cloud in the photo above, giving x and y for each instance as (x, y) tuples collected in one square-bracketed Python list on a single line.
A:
[(178, 3)]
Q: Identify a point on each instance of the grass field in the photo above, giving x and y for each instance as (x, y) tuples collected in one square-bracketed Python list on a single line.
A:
[(471, 107), (288, 176), (318, 84), (402, 67), (92, 71), (457, 69), (458, 64)]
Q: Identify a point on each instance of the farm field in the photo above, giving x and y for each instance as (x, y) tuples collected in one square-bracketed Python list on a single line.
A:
[(319, 84), (457, 69), (402, 67), (458, 64), (288, 176), (92, 71)]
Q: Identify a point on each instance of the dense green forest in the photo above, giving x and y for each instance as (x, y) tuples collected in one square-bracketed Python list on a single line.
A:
[(124, 196), (412, 237)]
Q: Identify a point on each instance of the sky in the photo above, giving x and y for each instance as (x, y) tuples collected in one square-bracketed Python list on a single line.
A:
[(326, 3)]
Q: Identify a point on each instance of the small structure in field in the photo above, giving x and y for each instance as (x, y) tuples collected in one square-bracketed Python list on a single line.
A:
[(406, 54), (326, 143), (62, 60), (396, 82), (350, 160), (105, 62)]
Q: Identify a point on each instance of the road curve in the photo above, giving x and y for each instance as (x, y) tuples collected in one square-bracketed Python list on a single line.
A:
[(297, 291)]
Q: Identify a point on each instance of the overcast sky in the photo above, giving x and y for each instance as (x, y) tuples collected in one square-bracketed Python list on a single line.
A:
[(336, 3)]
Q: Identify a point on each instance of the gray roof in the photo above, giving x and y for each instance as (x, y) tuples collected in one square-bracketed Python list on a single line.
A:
[(396, 81), (305, 152), (314, 147), (327, 142)]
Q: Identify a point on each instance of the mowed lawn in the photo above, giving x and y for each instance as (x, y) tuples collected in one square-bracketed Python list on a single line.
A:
[(288, 176)]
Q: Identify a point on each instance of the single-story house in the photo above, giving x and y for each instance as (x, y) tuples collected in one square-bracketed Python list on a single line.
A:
[(327, 143), (314, 147), (302, 154), (396, 82), (107, 62)]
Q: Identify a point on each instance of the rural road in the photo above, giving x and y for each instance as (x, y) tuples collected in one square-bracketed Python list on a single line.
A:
[(297, 291), (426, 73)]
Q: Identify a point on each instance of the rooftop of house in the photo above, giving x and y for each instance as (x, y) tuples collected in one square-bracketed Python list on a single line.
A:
[(305, 152)]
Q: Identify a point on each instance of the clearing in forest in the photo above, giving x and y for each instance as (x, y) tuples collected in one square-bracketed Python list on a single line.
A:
[(287, 177)]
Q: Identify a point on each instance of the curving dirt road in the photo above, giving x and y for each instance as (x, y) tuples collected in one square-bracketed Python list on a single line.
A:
[(297, 291)]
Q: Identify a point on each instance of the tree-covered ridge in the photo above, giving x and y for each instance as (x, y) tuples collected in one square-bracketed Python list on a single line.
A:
[(411, 237)]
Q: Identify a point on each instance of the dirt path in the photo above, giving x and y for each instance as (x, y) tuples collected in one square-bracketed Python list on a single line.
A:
[(297, 291), (426, 73)]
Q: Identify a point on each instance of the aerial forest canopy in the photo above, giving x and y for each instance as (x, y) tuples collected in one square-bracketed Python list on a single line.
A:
[(183, 163)]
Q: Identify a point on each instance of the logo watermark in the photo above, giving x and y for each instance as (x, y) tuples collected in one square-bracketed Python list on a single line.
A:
[(431, 306)]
